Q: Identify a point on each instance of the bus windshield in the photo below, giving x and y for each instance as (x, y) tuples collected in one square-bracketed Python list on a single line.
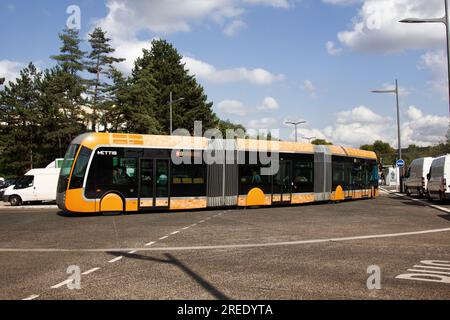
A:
[(67, 167)]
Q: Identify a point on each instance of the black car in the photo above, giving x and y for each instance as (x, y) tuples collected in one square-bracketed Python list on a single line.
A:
[(5, 185)]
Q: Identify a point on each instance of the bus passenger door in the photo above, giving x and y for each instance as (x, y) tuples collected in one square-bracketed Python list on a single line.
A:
[(282, 184), (146, 184), (162, 183), (154, 184)]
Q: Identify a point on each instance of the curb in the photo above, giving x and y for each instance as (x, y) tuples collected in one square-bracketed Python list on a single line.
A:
[(4, 208), (428, 204)]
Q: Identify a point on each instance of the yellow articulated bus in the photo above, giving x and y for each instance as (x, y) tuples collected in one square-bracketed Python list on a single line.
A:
[(114, 173)]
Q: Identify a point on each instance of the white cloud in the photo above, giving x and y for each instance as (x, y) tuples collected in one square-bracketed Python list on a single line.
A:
[(234, 27), (126, 18), (269, 104), (10, 70), (376, 28), (264, 124), (309, 87), (436, 63), (332, 49), (233, 107), (423, 129), (363, 126), (207, 72), (360, 114), (237, 108)]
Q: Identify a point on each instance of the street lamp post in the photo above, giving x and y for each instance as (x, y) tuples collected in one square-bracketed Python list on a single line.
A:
[(446, 21), (171, 103), (396, 91), (296, 124)]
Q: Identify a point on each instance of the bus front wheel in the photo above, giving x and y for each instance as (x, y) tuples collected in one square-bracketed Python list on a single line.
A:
[(15, 201)]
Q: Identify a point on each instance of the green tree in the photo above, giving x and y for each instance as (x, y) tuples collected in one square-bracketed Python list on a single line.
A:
[(385, 153), (321, 142), (164, 64), (61, 105), (135, 103), (224, 125), (20, 118), (71, 56), (101, 64)]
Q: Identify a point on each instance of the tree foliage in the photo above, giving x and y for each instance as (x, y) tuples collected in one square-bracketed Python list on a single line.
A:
[(42, 112)]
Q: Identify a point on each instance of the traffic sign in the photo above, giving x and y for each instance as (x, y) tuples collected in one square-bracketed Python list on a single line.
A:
[(400, 163)]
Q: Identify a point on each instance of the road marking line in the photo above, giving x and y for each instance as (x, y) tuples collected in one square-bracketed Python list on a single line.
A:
[(150, 244), (185, 228), (116, 259), (132, 252), (418, 200), (194, 225), (163, 238), (427, 271), (59, 285), (203, 221), (175, 232), (241, 246), (34, 296), (90, 271)]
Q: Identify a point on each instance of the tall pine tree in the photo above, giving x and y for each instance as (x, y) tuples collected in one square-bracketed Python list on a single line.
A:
[(66, 85), (164, 64), (101, 64), (20, 118)]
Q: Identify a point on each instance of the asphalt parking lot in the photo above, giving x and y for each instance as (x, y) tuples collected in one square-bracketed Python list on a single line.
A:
[(304, 252)]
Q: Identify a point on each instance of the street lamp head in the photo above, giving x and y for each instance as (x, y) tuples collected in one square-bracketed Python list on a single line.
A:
[(383, 91), (415, 20), (296, 123)]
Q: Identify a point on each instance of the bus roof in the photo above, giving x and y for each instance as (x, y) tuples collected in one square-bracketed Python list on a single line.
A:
[(93, 140)]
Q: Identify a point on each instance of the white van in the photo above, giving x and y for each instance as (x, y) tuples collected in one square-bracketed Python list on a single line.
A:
[(438, 188), (416, 178), (38, 185)]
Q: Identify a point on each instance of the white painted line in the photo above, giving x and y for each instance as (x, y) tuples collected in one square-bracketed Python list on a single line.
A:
[(132, 252), (419, 200), (163, 238), (150, 244), (194, 225), (185, 228), (427, 271), (90, 271), (203, 221), (34, 296), (242, 246), (116, 259), (174, 233), (64, 283)]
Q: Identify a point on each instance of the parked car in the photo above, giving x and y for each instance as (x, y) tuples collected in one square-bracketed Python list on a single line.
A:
[(38, 185), (5, 184), (438, 177), (416, 179)]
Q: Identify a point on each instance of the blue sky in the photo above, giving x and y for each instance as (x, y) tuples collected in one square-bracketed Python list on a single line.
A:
[(265, 61)]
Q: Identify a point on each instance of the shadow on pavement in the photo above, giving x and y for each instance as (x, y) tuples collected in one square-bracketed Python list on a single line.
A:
[(175, 262)]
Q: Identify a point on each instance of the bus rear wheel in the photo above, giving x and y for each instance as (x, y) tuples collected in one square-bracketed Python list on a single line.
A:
[(15, 201)]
